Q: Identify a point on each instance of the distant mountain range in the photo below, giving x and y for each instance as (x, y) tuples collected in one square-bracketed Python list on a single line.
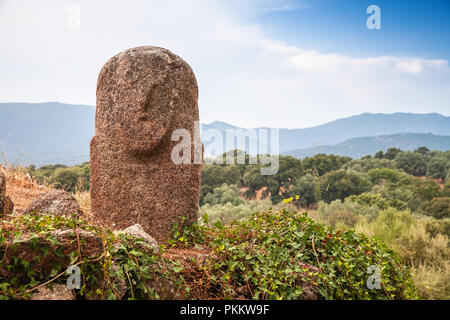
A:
[(48, 133), (359, 147)]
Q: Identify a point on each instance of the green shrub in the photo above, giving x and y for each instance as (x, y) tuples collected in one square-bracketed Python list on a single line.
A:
[(223, 195), (323, 163), (306, 188), (329, 212), (436, 226), (385, 175), (265, 254), (364, 165), (228, 212), (63, 177), (134, 263), (341, 184), (370, 199), (438, 208), (413, 163), (398, 197)]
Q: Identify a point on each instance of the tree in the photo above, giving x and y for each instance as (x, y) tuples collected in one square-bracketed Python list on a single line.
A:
[(385, 174), (306, 188), (340, 184), (323, 163), (379, 155), (437, 168), (391, 153), (412, 163), (68, 178), (422, 150), (438, 208), (277, 185), (223, 195), (214, 175), (364, 165)]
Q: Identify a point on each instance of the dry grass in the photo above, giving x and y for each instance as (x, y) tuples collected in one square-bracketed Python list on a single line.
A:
[(21, 187)]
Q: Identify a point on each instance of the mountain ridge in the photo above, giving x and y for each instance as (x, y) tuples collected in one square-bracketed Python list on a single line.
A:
[(53, 132), (361, 146)]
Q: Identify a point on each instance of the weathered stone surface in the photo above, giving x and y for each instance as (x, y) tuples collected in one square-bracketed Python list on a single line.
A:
[(137, 231), (56, 202), (58, 292), (143, 95), (6, 204)]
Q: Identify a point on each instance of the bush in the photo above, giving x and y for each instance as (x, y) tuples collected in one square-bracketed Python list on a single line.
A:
[(364, 165), (223, 195), (225, 213), (371, 199), (437, 168), (62, 177), (306, 188), (419, 244), (269, 253), (413, 163), (438, 208), (329, 213), (386, 175), (398, 197), (340, 184), (323, 163), (435, 226)]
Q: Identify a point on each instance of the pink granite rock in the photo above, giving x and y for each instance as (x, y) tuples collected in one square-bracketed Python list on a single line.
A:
[(6, 204), (55, 202), (143, 95)]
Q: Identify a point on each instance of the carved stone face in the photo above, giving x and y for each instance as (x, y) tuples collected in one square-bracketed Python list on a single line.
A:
[(137, 100), (143, 95)]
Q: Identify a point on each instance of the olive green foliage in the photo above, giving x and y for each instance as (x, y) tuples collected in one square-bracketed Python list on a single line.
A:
[(214, 175), (133, 261), (63, 177), (223, 195), (364, 165), (438, 207), (391, 153), (340, 184), (413, 163), (421, 242), (226, 212), (371, 199), (329, 212), (290, 169), (438, 168), (323, 163), (268, 252), (307, 186)]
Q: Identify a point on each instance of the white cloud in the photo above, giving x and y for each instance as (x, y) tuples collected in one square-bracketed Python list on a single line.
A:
[(244, 77)]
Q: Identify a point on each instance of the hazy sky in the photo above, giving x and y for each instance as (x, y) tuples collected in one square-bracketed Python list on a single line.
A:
[(268, 63)]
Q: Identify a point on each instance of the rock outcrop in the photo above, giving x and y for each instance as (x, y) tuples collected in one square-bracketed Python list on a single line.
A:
[(6, 204), (138, 232), (55, 202)]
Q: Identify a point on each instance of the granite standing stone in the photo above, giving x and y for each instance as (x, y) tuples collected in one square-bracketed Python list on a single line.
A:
[(143, 95)]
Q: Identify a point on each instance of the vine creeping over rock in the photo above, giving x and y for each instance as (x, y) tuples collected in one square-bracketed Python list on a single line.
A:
[(271, 255)]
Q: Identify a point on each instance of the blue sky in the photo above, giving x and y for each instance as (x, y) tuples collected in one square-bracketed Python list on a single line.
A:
[(409, 27), (274, 63)]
